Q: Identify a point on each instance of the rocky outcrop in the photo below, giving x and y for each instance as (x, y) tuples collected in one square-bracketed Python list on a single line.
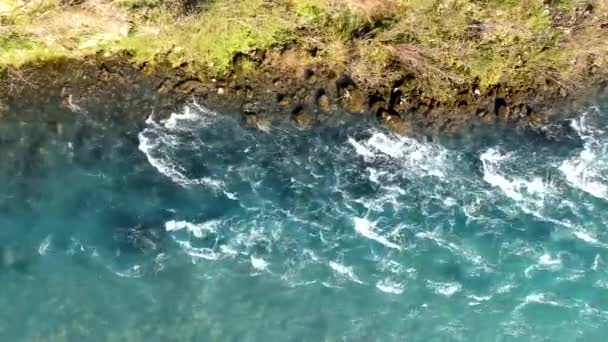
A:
[(269, 96)]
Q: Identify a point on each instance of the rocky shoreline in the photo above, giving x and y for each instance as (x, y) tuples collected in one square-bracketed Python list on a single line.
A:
[(308, 98)]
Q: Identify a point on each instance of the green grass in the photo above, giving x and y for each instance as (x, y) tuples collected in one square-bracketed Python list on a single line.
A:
[(18, 50), (442, 42)]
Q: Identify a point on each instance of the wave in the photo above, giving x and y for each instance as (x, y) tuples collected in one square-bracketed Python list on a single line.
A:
[(366, 229), (45, 245), (527, 190), (259, 263), (445, 289), (198, 230), (160, 140), (195, 232), (588, 170), (345, 271), (389, 286), (414, 156)]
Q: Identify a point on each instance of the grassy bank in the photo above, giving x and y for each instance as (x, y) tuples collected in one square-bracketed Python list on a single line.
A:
[(442, 44)]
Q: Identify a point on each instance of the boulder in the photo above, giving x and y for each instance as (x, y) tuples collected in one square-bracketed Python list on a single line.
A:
[(301, 117), (395, 122), (353, 100), (323, 103)]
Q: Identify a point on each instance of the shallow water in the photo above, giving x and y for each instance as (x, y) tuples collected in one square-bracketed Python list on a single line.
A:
[(198, 229)]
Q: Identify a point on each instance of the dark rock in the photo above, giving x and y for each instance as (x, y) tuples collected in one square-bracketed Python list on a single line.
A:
[(353, 100), (249, 108), (537, 118), (557, 131), (503, 112), (68, 3), (499, 104), (301, 117), (280, 98), (394, 122), (249, 92), (259, 122), (395, 99), (323, 101), (344, 82), (310, 77), (190, 85), (285, 101), (521, 110), (376, 102)]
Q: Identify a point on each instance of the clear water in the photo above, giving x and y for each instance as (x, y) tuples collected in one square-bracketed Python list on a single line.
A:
[(198, 229)]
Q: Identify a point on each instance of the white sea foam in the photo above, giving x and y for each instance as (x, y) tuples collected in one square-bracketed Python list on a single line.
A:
[(464, 252), (195, 231), (389, 286), (132, 272), (547, 261), (366, 229), (188, 118), (539, 298), (580, 173), (149, 145), (587, 171), (259, 263), (505, 288), (198, 252), (45, 245), (596, 262), (416, 157), (444, 289), (585, 236), (198, 230), (530, 192), (374, 175), (477, 300), (158, 141), (345, 271), (361, 149)]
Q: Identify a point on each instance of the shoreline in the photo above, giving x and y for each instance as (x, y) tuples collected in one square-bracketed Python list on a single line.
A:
[(103, 81)]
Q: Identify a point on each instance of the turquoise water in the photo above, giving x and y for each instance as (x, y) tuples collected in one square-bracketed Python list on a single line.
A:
[(196, 228)]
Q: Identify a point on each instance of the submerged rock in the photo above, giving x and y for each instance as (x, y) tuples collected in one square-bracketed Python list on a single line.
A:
[(261, 123)]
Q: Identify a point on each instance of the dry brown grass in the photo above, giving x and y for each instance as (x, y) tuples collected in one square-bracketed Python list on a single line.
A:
[(376, 9), (81, 26), (292, 61)]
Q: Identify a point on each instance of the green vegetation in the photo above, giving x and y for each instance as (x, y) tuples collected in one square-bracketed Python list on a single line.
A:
[(442, 43)]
